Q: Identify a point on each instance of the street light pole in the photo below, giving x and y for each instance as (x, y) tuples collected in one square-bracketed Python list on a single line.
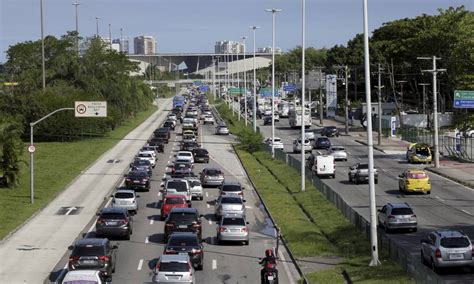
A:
[(379, 139), (401, 93), (346, 108), (254, 28), (273, 11), (77, 28), (42, 47), (245, 84), (373, 212), (214, 77), (110, 37), (97, 26), (303, 108)]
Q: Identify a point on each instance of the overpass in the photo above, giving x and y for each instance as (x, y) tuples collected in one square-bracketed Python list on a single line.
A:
[(193, 61)]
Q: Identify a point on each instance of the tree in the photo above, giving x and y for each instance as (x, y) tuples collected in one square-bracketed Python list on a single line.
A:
[(11, 148)]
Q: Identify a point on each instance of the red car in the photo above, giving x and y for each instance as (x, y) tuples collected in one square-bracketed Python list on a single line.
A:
[(172, 201)]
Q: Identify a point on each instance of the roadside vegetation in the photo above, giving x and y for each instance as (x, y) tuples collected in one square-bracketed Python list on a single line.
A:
[(310, 224)]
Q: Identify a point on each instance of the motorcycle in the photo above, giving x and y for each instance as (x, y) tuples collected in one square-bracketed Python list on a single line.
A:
[(270, 273)]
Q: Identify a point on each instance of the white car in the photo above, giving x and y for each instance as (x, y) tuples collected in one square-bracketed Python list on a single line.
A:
[(148, 150), (208, 119), (85, 276), (308, 134), (203, 114), (277, 143), (196, 188), (147, 156), (172, 117), (185, 155), (174, 268), (298, 146), (338, 152)]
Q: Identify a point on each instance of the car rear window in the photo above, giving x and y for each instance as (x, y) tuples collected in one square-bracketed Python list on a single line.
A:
[(363, 166), (231, 200), (454, 242), (417, 175), (178, 185), (112, 216), (174, 267), (124, 195), (174, 200), (233, 222), (213, 172), (183, 217), (185, 154), (422, 151), (195, 183), (183, 241), (231, 187), (201, 152), (138, 174), (88, 250), (402, 211)]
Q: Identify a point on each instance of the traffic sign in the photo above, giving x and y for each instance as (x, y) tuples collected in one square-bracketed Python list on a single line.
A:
[(31, 148), (203, 88), (463, 99), (237, 91), (90, 108), (289, 88)]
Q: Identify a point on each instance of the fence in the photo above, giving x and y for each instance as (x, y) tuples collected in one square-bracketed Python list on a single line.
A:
[(410, 261), (446, 144)]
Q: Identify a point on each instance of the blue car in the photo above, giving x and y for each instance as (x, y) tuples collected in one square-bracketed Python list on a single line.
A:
[(322, 143)]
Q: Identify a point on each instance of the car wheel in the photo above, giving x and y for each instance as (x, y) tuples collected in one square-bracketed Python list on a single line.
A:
[(246, 243), (350, 178), (113, 269), (422, 257), (428, 192), (127, 236), (199, 267), (376, 181), (356, 180), (414, 230)]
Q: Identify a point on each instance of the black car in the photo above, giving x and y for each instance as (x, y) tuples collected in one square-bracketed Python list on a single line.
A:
[(146, 169), (163, 133), (183, 220), (157, 144), (93, 253), (189, 146), (169, 124), (267, 120), (330, 131), (322, 143), (114, 222), (137, 180), (181, 169), (189, 243), (201, 155)]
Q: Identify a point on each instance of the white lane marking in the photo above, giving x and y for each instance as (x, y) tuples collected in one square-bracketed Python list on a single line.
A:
[(439, 198), (146, 240), (170, 157), (169, 162), (208, 206), (467, 212), (207, 195), (210, 222), (140, 263), (151, 221), (287, 269), (214, 264), (159, 193)]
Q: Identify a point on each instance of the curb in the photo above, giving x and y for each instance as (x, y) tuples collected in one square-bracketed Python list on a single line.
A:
[(433, 170)]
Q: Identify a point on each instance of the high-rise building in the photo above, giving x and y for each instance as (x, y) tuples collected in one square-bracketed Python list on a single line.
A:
[(227, 46), (123, 45), (144, 45)]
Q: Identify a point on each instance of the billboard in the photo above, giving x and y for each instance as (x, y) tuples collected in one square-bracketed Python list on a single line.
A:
[(331, 95)]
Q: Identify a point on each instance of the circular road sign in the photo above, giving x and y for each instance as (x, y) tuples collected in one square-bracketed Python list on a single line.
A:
[(81, 109), (31, 148)]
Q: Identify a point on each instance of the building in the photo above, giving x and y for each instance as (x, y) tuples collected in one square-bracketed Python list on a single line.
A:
[(123, 45), (144, 45), (227, 46), (269, 50)]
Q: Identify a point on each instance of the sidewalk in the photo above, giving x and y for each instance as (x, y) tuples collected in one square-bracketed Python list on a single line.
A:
[(32, 252), (461, 172)]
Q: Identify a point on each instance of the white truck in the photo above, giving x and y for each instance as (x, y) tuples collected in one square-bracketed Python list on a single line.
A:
[(324, 166), (295, 117)]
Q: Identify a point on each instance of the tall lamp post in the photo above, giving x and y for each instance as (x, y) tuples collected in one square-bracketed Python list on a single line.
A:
[(97, 26), (42, 47), (245, 83), (254, 28), (77, 28), (303, 109), (273, 11)]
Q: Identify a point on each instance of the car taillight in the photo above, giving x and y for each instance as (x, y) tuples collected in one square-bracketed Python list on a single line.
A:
[(104, 258), (244, 229), (437, 253), (472, 253), (169, 225), (100, 221), (73, 258), (196, 225), (170, 251), (127, 179), (221, 176), (222, 229), (196, 251), (145, 180), (391, 217), (241, 193), (124, 222), (157, 266)]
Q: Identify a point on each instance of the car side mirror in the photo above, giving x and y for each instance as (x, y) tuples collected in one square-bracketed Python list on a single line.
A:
[(125, 175), (97, 214), (247, 223), (70, 247), (200, 216), (162, 185), (111, 195), (137, 196), (244, 200), (203, 241)]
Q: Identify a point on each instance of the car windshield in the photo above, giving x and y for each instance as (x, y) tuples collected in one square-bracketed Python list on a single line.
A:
[(88, 250), (174, 267), (124, 195), (183, 242), (231, 200), (402, 211), (417, 175), (178, 185), (195, 183), (454, 242), (183, 217), (231, 187), (276, 139), (363, 166), (422, 151), (174, 200), (233, 222)]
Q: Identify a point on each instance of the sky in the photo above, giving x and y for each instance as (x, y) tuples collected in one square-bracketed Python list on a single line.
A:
[(195, 25)]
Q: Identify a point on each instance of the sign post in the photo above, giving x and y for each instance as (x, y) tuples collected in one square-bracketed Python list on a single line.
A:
[(393, 126), (90, 109)]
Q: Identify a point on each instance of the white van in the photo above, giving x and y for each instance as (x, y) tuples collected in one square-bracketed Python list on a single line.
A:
[(325, 166)]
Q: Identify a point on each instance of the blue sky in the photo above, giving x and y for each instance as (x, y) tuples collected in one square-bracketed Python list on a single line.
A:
[(195, 25)]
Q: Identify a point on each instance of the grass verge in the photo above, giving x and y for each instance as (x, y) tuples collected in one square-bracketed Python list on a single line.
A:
[(56, 165)]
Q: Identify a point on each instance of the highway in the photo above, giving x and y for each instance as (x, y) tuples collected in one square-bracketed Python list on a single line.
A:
[(229, 263), (450, 205)]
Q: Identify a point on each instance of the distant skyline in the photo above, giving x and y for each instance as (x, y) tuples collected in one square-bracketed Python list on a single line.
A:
[(195, 26)]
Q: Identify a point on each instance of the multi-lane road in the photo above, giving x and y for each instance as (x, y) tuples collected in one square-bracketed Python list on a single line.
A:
[(229, 263), (450, 205)]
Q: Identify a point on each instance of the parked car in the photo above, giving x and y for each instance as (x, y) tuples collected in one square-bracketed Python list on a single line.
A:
[(85, 276), (229, 205), (211, 177), (419, 153), (185, 155), (447, 249), (322, 143), (231, 188), (395, 216), (183, 220), (138, 180), (298, 146), (360, 173), (171, 201), (469, 133), (93, 253), (414, 180), (233, 227), (222, 130), (330, 131), (186, 243), (174, 268), (339, 153), (125, 198), (114, 222), (201, 155)]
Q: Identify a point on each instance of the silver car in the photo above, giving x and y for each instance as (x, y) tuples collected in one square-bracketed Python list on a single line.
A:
[(447, 249), (211, 177), (177, 186), (174, 268), (339, 153), (125, 198), (394, 216), (229, 205), (233, 227), (222, 130), (196, 188)]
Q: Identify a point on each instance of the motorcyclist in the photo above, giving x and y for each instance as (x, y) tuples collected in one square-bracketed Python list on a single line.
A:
[(268, 263)]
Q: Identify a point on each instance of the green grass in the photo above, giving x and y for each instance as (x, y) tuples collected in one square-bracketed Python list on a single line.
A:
[(56, 165)]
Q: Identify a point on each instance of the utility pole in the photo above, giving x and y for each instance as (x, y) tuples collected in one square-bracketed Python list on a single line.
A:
[(401, 93), (303, 108), (424, 95), (42, 47), (254, 28), (346, 108), (110, 37), (321, 116), (214, 78), (380, 69), (77, 28), (245, 84), (435, 105)]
